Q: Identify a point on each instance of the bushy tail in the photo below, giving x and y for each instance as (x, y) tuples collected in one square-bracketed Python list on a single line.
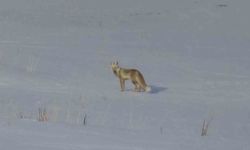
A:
[(148, 89)]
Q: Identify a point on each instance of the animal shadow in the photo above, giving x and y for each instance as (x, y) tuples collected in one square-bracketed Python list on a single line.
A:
[(157, 89)]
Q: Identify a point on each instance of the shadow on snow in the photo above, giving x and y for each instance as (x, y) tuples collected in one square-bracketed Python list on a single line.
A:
[(157, 89)]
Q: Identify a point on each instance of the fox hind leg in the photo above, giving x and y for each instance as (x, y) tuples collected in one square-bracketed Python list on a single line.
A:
[(142, 87), (137, 87)]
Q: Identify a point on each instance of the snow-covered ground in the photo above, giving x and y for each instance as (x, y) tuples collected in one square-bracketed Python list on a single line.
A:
[(56, 55)]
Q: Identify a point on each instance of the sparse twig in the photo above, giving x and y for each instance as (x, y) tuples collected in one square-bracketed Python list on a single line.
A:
[(42, 115), (205, 126), (84, 119)]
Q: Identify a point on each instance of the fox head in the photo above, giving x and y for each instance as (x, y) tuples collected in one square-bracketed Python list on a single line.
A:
[(115, 67)]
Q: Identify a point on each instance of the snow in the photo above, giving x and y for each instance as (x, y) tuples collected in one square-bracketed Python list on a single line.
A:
[(56, 54)]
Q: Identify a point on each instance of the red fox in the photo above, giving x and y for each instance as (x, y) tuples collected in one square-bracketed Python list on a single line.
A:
[(130, 74)]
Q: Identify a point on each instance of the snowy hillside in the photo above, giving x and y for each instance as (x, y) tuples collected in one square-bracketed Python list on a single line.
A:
[(55, 56)]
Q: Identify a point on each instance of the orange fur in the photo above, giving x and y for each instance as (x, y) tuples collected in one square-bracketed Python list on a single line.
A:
[(130, 74)]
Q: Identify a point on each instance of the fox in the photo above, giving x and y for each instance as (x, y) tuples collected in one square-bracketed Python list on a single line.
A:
[(130, 74)]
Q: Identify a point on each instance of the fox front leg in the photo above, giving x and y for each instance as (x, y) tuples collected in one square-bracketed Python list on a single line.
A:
[(122, 83)]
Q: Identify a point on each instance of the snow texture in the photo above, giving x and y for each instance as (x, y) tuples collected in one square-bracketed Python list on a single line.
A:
[(55, 56)]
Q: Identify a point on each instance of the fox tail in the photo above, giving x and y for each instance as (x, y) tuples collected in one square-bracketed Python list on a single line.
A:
[(148, 89)]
